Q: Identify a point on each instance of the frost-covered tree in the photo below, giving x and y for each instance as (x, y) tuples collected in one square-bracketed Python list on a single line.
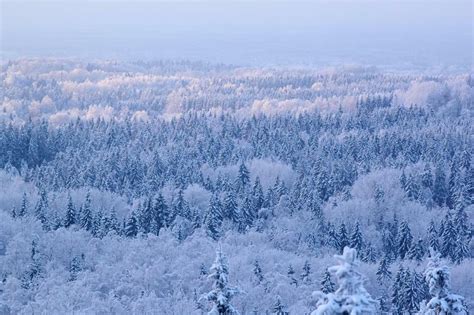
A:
[(383, 271), (279, 308), (257, 271), (351, 297), (71, 214), (326, 284), (443, 302), (221, 293)]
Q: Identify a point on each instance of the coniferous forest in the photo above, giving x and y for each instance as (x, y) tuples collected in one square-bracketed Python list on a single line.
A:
[(178, 187)]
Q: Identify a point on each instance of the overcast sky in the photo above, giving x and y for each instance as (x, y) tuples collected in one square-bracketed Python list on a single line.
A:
[(380, 32)]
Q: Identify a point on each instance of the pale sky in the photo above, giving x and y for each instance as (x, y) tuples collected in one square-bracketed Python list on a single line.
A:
[(384, 32)]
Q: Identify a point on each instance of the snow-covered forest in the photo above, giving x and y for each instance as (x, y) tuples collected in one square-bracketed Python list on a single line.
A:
[(178, 187)]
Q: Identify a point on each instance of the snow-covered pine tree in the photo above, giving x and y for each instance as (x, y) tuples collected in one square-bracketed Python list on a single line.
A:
[(221, 293), (449, 237), (279, 308), (356, 238), (327, 286), (443, 302), (383, 271), (305, 275), (42, 208), (291, 275), (257, 270), (404, 239), (433, 239), (417, 251), (131, 226), (86, 214), (24, 206), (351, 297), (70, 218)]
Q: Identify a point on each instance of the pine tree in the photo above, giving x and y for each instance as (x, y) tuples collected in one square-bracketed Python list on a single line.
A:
[(24, 207), (404, 239), (417, 251), (291, 275), (305, 275), (433, 238), (131, 227), (351, 297), (75, 267), (214, 217), (41, 209), (279, 308), (35, 268), (221, 293), (243, 178), (384, 275), (70, 213), (398, 298), (356, 238), (342, 239), (439, 187), (159, 215), (86, 214), (231, 210), (257, 272), (443, 301), (449, 237), (327, 286)]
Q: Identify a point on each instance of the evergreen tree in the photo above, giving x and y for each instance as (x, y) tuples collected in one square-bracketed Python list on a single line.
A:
[(404, 239), (131, 227), (35, 268), (279, 308), (351, 297), (356, 238), (86, 214), (384, 275), (443, 301), (257, 272), (214, 217), (439, 187), (305, 275), (41, 210), (24, 207), (70, 213), (159, 215), (449, 237), (75, 267), (397, 291), (327, 286), (291, 275), (342, 239), (433, 238), (417, 251), (231, 209), (221, 293)]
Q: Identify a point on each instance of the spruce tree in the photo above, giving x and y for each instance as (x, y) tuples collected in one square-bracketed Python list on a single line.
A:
[(351, 297), (326, 284), (257, 271), (279, 308), (305, 275), (384, 275), (24, 207), (41, 210), (443, 301), (131, 226), (221, 293), (356, 238), (86, 214), (404, 239), (70, 218), (291, 275)]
